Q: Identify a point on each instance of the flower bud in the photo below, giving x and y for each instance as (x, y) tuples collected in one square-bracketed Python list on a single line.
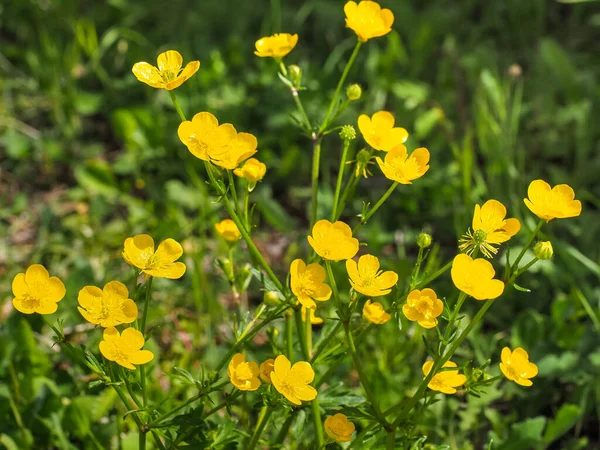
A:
[(348, 133), (295, 74), (543, 250), (424, 240), (354, 92), (227, 268), (271, 298)]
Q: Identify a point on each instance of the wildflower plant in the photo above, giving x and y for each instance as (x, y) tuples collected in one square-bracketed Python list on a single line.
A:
[(334, 278)]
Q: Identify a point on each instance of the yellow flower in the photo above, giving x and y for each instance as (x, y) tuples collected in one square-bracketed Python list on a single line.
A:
[(313, 319), (333, 241), (446, 381), (276, 46), (204, 137), (375, 313), (552, 203), (379, 131), (400, 167), (243, 375), (307, 282), (339, 428), (265, 369), (489, 228), (125, 348), (253, 170), (107, 307), (368, 20), (423, 307), (516, 366), (242, 147), (139, 252), (36, 291), (475, 277), (168, 75), (293, 381), (366, 278), (228, 230)]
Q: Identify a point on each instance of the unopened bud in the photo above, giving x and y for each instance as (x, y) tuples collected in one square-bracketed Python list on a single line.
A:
[(354, 92), (226, 267), (295, 74), (543, 250), (348, 133), (271, 298), (424, 240)]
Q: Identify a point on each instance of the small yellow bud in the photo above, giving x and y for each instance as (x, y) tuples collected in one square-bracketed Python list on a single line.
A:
[(424, 240), (348, 133), (543, 250), (271, 298), (295, 74), (354, 92)]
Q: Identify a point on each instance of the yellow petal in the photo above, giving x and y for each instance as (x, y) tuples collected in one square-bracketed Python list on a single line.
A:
[(19, 286), (282, 365), (170, 60), (36, 275), (168, 251), (138, 250), (147, 73), (89, 296), (141, 357), (133, 338)]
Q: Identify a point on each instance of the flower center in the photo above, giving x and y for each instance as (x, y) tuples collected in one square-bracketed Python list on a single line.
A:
[(243, 372), (30, 302), (423, 305), (479, 236)]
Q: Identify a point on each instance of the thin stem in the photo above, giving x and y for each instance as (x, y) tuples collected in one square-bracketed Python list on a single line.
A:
[(325, 342), (143, 329), (301, 335), (222, 405), (434, 275), (340, 178), (333, 284), (339, 87), (373, 210), (515, 266), (454, 315), (350, 184), (316, 410), (300, 107), (285, 428), (246, 207), (233, 191), (177, 107), (363, 376), (260, 428), (524, 269), (289, 338), (315, 182), (142, 441), (390, 443), (308, 332)]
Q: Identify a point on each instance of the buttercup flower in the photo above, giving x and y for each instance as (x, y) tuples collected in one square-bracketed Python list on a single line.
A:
[(168, 75), (125, 348), (107, 307), (379, 131), (368, 20), (375, 313), (253, 170), (445, 382), (516, 366), (313, 319), (243, 375), (339, 428), (403, 169), (36, 291), (475, 277), (423, 307), (204, 137), (276, 46), (307, 283), (242, 147), (333, 241), (552, 203), (265, 369), (366, 278), (228, 230), (139, 252), (293, 381), (489, 228)]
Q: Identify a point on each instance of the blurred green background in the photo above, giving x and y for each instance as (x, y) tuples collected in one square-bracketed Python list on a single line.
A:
[(500, 92)]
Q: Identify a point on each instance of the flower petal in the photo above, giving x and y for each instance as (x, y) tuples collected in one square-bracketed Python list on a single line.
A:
[(147, 73), (89, 297), (302, 372), (168, 251), (141, 357), (133, 338), (282, 366), (19, 286), (170, 60), (138, 250)]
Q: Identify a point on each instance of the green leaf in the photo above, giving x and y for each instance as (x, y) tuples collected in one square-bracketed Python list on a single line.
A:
[(524, 435), (519, 288), (565, 419)]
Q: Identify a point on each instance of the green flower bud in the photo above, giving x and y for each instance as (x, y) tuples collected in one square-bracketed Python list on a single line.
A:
[(271, 298), (354, 92), (424, 240), (543, 250), (227, 268), (295, 74), (348, 133)]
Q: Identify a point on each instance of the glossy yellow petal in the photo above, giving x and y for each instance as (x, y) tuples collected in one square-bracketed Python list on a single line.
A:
[(170, 60), (138, 250), (168, 251), (148, 74), (19, 286), (141, 357)]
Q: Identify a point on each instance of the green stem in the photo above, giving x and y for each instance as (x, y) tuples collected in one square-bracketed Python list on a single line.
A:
[(363, 377), (289, 338), (233, 190), (301, 335), (260, 428), (254, 251), (352, 182), (434, 275), (522, 270), (454, 315), (515, 266), (177, 107), (143, 329), (325, 342), (316, 410), (142, 441), (333, 284), (315, 182), (285, 428), (246, 207), (340, 178), (308, 332), (390, 443), (373, 210), (339, 87), (300, 107)]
